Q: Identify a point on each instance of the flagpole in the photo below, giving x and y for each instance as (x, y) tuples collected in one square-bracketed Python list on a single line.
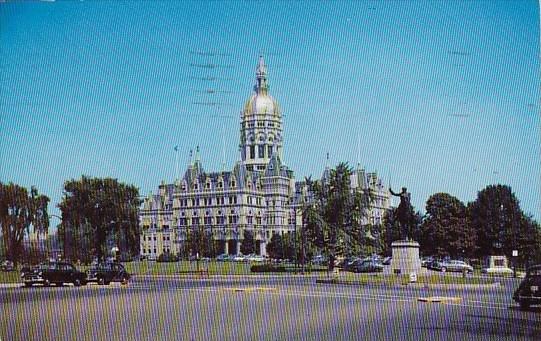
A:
[(176, 164)]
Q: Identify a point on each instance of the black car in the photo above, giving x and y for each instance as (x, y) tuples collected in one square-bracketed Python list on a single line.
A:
[(529, 290), (366, 266), (54, 273), (105, 273)]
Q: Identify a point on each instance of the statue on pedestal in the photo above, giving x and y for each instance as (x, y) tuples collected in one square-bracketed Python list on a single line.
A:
[(404, 213)]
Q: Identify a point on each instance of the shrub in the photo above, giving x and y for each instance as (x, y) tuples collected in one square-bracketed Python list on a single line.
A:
[(167, 257)]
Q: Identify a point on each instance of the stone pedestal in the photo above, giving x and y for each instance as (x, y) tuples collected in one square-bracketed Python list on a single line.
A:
[(405, 258)]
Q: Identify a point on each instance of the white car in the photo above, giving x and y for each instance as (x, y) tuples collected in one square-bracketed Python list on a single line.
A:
[(255, 258), (498, 270), (239, 258)]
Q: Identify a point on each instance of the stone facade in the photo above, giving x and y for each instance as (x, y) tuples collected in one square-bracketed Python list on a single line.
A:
[(259, 195)]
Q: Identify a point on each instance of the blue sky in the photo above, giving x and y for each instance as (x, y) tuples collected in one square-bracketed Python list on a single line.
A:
[(435, 96)]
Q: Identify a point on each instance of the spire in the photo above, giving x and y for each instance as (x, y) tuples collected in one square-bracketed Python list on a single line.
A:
[(197, 155), (191, 158), (261, 86), (328, 166)]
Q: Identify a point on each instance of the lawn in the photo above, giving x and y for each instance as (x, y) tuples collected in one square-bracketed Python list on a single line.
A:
[(187, 267), (10, 277), (431, 278)]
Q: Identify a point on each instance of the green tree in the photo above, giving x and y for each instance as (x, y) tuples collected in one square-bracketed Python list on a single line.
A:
[(334, 212), (96, 209), (200, 242), (528, 242), (445, 230), (497, 218), (275, 247), (248, 243), (19, 212), (282, 247)]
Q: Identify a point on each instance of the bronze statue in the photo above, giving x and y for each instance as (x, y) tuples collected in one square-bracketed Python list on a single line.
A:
[(404, 213)]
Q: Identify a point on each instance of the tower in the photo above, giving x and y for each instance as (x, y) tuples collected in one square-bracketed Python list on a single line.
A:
[(260, 125)]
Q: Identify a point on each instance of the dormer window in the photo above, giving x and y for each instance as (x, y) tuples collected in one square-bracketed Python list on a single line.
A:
[(233, 183)]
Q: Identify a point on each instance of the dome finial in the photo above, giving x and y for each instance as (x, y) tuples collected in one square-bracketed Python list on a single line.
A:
[(261, 86)]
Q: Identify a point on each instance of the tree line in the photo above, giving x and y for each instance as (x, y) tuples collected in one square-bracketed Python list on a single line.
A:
[(98, 213), (492, 224)]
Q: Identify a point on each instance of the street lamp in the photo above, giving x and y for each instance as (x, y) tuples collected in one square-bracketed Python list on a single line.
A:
[(63, 236)]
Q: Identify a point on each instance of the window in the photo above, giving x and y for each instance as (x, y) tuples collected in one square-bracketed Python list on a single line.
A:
[(258, 220), (250, 220), (195, 221), (252, 152), (270, 151), (208, 220), (220, 219), (261, 151)]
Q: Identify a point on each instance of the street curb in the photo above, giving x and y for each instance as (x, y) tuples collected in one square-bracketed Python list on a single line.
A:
[(414, 285), (236, 277)]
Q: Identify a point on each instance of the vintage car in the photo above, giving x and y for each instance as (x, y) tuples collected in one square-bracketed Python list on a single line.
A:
[(366, 266), (53, 273), (449, 266), (529, 291), (105, 273)]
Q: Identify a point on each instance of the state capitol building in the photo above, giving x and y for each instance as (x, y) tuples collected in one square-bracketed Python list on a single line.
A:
[(259, 194)]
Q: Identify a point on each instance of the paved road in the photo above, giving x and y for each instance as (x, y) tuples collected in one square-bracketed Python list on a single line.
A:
[(260, 308)]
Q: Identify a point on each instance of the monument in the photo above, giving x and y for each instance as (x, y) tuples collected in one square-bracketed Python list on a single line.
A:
[(405, 251)]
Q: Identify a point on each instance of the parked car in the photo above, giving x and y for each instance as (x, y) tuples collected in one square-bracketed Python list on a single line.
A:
[(529, 291), (498, 270), (387, 260), (319, 260), (105, 273), (366, 266), (239, 258), (255, 258), (222, 258), (345, 262), (351, 263), (7, 265), (425, 261), (450, 265), (54, 273)]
